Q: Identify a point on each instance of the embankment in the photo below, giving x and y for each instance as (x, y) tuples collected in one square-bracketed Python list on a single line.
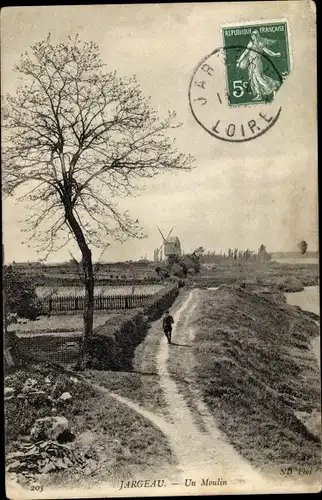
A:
[(257, 374), (286, 277)]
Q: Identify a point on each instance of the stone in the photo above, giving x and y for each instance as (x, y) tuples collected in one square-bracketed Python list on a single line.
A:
[(289, 284), (8, 391), (312, 421), (60, 464), (37, 393), (13, 476), (47, 381), (68, 462), (14, 454), (29, 384), (74, 379), (48, 428), (48, 467), (25, 439), (13, 466), (65, 396)]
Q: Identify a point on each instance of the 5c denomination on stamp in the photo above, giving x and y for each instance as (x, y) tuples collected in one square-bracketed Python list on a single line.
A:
[(257, 63)]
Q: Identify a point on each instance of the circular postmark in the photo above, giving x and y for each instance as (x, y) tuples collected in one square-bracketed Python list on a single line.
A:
[(227, 106)]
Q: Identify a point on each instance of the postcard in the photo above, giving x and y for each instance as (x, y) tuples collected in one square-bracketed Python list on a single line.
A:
[(160, 250)]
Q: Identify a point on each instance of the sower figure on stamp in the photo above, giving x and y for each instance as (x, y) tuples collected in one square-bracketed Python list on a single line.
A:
[(167, 325), (261, 85)]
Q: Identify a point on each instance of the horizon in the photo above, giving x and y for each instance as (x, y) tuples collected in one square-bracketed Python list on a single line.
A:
[(53, 263)]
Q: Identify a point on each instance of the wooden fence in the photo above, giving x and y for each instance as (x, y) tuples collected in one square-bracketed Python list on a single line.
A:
[(101, 302)]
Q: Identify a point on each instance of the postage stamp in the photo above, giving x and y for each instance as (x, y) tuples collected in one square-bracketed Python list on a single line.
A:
[(233, 91), (257, 63)]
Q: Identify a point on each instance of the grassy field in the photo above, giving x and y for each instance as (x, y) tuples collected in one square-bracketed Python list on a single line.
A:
[(112, 274), (253, 273), (60, 323), (115, 441), (254, 368)]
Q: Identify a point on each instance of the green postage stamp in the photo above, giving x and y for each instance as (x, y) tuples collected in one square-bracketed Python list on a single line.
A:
[(257, 61)]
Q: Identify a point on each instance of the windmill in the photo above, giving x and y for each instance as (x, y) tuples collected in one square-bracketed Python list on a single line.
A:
[(158, 257), (170, 246)]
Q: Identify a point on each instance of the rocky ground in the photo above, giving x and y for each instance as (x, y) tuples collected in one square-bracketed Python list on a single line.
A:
[(62, 430)]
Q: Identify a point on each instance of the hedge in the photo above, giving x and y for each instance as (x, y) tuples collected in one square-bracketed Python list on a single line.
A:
[(114, 342)]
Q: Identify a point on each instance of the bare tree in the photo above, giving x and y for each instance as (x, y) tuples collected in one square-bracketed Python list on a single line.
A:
[(78, 137)]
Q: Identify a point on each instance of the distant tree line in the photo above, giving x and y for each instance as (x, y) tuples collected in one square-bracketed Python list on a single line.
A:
[(235, 254)]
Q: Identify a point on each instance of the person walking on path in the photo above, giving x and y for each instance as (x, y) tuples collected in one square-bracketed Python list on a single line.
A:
[(167, 325)]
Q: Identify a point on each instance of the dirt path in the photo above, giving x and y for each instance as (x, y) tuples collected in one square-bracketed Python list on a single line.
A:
[(198, 450), (200, 453), (201, 450)]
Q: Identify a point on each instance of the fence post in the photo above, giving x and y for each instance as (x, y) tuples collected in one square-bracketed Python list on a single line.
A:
[(50, 304), (126, 303)]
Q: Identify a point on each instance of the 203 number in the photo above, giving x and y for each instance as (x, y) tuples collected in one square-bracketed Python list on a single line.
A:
[(239, 88), (37, 488)]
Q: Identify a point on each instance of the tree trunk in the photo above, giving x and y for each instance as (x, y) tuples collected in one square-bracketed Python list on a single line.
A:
[(88, 313)]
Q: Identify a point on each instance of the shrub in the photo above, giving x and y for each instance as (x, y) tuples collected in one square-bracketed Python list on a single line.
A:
[(20, 295), (178, 270)]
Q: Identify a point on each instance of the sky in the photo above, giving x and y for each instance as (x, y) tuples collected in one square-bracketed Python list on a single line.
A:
[(238, 194)]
